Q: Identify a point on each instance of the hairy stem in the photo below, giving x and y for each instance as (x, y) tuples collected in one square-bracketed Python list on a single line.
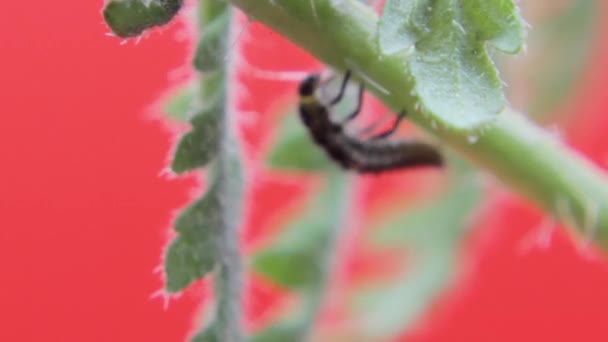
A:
[(227, 174), (342, 34)]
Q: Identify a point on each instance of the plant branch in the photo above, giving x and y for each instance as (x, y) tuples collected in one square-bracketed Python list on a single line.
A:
[(338, 188), (227, 174), (522, 155), (305, 257)]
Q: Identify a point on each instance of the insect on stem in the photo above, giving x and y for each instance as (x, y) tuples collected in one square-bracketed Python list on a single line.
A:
[(373, 155)]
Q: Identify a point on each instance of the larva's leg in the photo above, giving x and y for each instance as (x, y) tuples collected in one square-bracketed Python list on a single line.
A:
[(372, 127), (390, 130), (358, 108), (342, 89), (323, 87)]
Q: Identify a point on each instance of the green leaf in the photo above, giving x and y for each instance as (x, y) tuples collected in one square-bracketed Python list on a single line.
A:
[(197, 147), (214, 91), (431, 226), (294, 261), (298, 258), (128, 18), (433, 234), (302, 258), (281, 332), (565, 42), (179, 104), (192, 254), (295, 150), (208, 334), (388, 310), (212, 47), (446, 43)]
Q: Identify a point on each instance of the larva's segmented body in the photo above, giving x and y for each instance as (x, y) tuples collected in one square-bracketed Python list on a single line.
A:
[(366, 156)]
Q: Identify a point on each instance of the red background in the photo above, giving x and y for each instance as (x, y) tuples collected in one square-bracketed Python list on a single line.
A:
[(84, 213)]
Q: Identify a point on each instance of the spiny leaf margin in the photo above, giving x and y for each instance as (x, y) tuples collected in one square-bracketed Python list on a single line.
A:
[(130, 18), (446, 44), (193, 254)]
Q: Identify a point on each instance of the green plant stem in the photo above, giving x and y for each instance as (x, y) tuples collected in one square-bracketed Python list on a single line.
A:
[(338, 187), (522, 155), (227, 172), (329, 217)]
